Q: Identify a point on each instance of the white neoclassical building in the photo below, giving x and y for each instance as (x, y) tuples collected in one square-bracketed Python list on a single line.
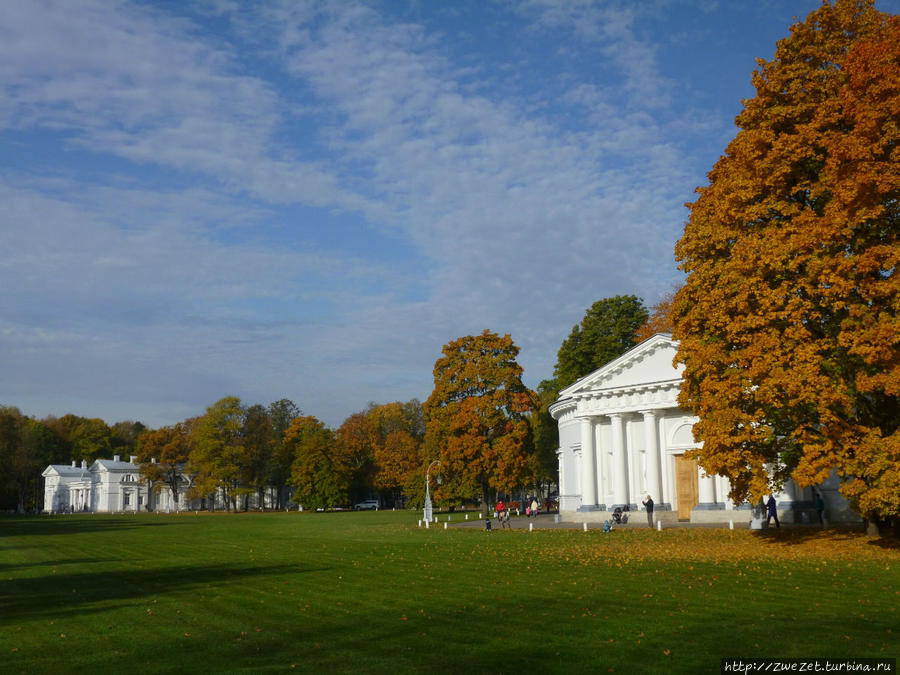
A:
[(107, 486), (622, 436), (116, 486)]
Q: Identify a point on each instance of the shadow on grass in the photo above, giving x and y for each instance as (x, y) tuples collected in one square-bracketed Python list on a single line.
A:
[(86, 592), (13, 526), (791, 536), (6, 567)]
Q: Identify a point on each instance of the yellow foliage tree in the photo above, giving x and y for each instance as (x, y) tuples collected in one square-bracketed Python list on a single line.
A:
[(788, 320)]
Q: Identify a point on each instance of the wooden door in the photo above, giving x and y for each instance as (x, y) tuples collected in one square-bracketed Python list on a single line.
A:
[(686, 486)]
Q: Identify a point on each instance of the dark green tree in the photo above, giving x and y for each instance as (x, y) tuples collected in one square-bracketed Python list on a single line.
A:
[(282, 413), (258, 441), (320, 475), (26, 448), (607, 331), (124, 437)]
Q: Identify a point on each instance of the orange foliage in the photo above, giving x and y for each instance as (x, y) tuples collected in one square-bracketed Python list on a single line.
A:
[(788, 320), (660, 319), (397, 451), (476, 416)]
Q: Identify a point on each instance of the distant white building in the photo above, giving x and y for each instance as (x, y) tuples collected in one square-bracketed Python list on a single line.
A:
[(115, 486), (108, 486), (622, 436), (67, 488)]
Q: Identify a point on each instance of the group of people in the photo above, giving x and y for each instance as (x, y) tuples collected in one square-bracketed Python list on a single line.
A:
[(501, 511)]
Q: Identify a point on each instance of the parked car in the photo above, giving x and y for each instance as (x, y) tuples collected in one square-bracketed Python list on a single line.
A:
[(367, 505)]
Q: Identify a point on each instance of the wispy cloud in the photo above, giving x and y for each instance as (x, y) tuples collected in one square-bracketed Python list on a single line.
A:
[(309, 199)]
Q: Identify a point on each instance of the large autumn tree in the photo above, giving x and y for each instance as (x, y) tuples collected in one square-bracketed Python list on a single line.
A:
[(476, 417), (788, 320)]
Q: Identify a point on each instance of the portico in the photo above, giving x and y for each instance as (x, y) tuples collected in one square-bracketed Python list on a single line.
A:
[(622, 437)]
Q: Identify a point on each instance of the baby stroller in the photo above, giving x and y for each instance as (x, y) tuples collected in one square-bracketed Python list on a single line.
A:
[(619, 516)]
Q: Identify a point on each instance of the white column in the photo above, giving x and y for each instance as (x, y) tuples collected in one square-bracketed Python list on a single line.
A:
[(706, 488), (562, 472), (619, 472), (598, 454), (588, 466), (651, 447)]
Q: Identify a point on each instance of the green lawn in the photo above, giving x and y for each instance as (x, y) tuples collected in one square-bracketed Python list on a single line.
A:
[(372, 593)]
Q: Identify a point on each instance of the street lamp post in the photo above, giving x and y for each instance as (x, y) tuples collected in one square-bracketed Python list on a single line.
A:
[(428, 510)]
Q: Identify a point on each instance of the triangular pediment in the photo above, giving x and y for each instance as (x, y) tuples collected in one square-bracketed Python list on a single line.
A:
[(647, 363), (62, 470)]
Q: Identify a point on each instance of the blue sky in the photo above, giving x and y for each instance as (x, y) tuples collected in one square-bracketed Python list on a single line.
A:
[(309, 199)]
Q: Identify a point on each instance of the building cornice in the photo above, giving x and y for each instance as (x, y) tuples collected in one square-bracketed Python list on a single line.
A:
[(658, 395), (558, 409)]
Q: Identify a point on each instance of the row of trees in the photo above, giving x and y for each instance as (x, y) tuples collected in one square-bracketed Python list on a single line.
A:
[(489, 432), (280, 455)]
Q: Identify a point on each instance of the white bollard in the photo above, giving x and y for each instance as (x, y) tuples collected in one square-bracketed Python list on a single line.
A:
[(585, 527), (730, 524), (445, 525), (659, 526), (467, 516), (427, 524), (531, 527), (448, 519), (435, 519)]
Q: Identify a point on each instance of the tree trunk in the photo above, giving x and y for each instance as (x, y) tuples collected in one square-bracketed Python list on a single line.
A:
[(883, 527)]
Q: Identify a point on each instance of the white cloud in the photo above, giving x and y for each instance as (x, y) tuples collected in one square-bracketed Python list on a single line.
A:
[(173, 276), (494, 196)]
